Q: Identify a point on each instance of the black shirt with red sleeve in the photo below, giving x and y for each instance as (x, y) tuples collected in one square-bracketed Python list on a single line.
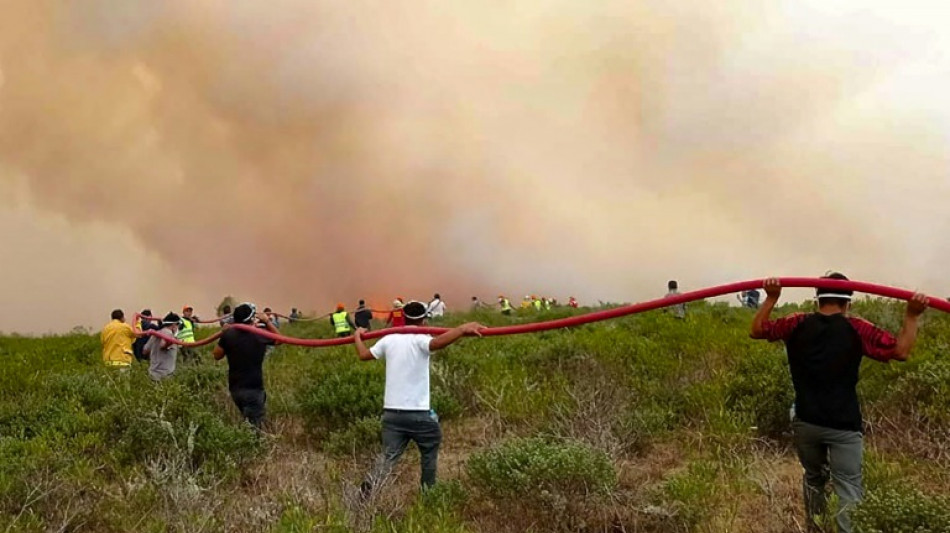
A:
[(824, 355)]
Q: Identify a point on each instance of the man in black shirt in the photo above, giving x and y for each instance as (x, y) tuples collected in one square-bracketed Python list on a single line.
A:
[(363, 316), (825, 350), (245, 352), (145, 324)]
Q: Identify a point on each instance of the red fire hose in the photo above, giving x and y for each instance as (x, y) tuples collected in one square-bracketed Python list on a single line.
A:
[(869, 288), (285, 317)]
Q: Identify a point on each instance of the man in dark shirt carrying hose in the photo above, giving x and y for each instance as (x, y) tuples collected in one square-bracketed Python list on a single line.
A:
[(245, 351), (363, 316), (825, 350)]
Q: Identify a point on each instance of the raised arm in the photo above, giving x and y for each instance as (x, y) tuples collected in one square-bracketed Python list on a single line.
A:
[(908, 334), (361, 350), (773, 290), (454, 334), (268, 325)]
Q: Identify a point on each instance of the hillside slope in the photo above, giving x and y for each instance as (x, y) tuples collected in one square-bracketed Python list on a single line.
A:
[(645, 423)]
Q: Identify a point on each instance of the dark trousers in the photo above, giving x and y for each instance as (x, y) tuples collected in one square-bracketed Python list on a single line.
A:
[(399, 428), (251, 403), (137, 349), (189, 354), (830, 453)]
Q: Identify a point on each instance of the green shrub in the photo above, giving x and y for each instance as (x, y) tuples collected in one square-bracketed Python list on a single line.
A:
[(638, 426), (362, 437), (445, 496), (535, 466), (296, 519), (157, 419), (437, 510), (335, 400), (120, 453), (691, 493), (899, 509), (925, 391), (761, 388), (446, 404), (222, 447), (694, 402), (349, 392)]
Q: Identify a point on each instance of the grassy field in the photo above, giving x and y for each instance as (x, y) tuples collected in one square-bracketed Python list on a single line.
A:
[(640, 424)]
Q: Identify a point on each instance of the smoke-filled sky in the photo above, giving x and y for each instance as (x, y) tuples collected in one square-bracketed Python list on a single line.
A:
[(302, 152)]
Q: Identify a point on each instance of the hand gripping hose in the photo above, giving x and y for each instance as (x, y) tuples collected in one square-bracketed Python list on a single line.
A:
[(596, 316)]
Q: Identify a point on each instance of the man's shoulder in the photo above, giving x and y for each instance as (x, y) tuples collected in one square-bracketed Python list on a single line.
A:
[(862, 325), (232, 334), (796, 316), (856, 320), (407, 338)]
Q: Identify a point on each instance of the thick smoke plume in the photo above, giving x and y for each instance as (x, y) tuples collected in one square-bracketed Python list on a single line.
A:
[(307, 152)]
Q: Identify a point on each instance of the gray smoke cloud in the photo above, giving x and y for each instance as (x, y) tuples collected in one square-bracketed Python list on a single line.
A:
[(308, 152)]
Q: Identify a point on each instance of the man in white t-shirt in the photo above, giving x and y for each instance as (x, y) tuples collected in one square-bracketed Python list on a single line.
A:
[(407, 415), (436, 307)]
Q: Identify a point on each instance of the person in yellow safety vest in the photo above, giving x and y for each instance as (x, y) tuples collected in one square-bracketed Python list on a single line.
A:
[(186, 333), (505, 305), (340, 320), (536, 303), (526, 302), (117, 338)]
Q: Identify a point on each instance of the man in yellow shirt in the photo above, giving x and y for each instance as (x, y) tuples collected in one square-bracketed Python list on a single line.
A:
[(117, 338)]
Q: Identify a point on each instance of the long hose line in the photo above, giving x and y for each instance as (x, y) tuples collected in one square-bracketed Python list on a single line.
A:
[(218, 320), (596, 316)]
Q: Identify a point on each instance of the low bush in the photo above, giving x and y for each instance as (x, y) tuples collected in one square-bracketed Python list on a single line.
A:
[(925, 391), (898, 509), (83, 448), (640, 425), (761, 388), (690, 494), (333, 401), (535, 466), (362, 437)]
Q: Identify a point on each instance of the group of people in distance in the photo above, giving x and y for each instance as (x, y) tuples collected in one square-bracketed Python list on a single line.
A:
[(343, 325), (825, 349)]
